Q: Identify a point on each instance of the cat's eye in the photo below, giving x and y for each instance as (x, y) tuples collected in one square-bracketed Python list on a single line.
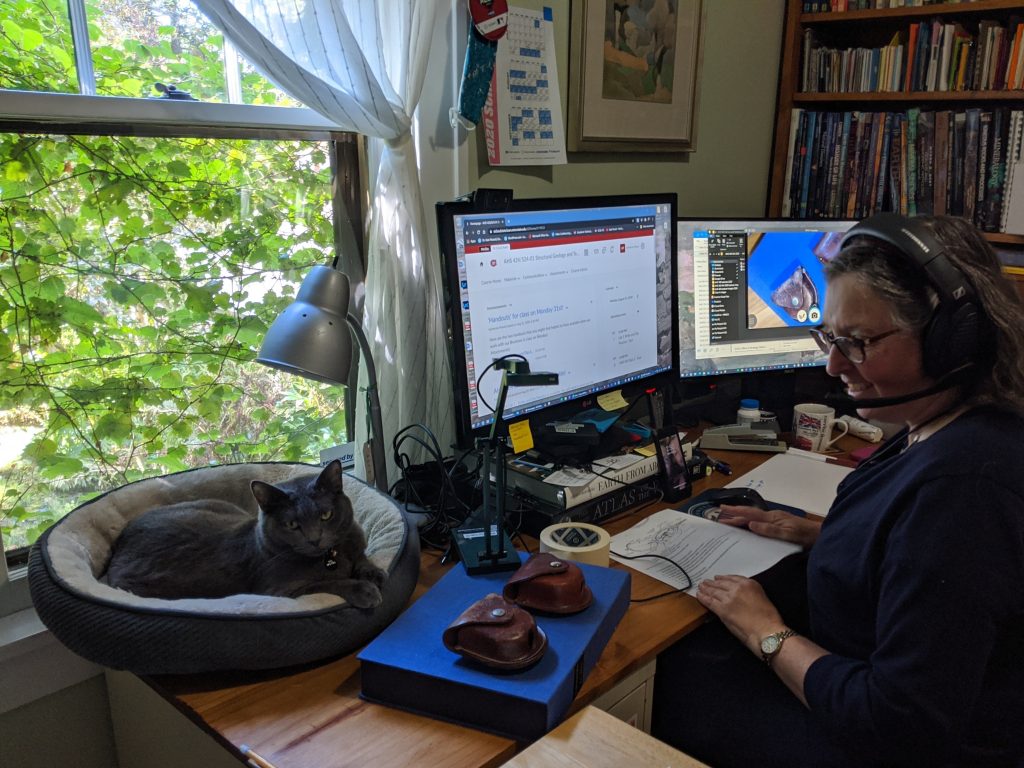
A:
[(291, 525), (327, 514)]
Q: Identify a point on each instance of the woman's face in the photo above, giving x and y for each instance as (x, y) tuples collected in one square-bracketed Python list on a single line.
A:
[(892, 366)]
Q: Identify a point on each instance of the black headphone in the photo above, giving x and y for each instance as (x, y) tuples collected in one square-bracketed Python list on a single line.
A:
[(952, 338)]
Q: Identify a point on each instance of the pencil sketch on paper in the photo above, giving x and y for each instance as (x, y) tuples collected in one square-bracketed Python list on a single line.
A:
[(639, 50)]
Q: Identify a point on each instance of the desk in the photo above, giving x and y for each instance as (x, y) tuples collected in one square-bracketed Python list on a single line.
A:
[(313, 716)]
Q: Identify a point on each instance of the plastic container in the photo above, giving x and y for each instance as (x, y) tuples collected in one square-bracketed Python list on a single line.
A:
[(749, 412)]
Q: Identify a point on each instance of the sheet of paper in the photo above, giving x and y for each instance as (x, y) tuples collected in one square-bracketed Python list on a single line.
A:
[(523, 114), (789, 478), (571, 476), (703, 548), (619, 460)]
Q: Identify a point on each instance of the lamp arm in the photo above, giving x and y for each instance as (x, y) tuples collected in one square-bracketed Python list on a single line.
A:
[(380, 468)]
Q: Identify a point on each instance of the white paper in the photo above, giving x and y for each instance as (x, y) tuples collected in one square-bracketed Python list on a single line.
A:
[(703, 548), (570, 476), (523, 114), (809, 484), (618, 461)]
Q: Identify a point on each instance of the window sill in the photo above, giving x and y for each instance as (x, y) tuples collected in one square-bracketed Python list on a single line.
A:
[(33, 663)]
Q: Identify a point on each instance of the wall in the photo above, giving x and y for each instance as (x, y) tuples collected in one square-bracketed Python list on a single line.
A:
[(727, 174)]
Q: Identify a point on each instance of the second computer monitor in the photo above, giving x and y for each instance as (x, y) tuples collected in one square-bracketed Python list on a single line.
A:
[(748, 290)]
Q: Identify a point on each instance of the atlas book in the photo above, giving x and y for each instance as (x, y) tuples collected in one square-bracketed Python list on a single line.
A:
[(408, 666)]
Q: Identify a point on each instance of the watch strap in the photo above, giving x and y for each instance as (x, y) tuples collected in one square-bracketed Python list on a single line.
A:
[(781, 637)]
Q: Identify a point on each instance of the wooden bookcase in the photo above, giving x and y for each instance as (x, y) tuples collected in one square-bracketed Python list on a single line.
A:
[(872, 29)]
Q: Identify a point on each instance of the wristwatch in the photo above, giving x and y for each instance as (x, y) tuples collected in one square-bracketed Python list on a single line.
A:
[(772, 644)]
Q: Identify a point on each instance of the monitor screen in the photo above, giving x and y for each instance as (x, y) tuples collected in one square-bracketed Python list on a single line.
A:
[(581, 287), (748, 292)]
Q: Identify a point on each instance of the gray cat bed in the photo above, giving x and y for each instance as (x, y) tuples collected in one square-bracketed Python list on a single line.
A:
[(120, 630)]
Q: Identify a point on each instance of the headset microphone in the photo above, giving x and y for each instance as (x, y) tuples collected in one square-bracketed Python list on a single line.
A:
[(947, 381)]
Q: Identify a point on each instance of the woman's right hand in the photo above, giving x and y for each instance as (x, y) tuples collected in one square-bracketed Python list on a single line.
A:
[(771, 523)]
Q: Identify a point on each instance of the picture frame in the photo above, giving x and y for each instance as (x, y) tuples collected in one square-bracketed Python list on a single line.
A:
[(629, 89)]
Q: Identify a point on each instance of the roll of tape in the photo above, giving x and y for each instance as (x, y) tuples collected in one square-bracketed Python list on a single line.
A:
[(582, 542)]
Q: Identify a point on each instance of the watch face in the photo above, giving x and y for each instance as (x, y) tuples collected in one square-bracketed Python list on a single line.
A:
[(770, 644)]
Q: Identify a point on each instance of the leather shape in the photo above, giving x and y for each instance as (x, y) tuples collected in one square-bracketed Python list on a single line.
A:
[(549, 584), (496, 633)]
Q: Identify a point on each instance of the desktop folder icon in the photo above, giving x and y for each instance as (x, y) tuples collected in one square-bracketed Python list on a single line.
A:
[(407, 665)]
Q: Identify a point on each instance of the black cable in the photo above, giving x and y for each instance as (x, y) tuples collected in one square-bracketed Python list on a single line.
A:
[(479, 392), (689, 581)]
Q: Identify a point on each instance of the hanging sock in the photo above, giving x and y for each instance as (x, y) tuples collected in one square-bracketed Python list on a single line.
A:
[(490, 21)]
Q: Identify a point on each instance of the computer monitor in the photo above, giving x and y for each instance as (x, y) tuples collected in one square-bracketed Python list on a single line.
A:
[(582, 287), (748, 291)]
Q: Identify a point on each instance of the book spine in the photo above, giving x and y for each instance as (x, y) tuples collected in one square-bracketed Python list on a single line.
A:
[(564, 497), (538, 516), (926, 162), (972, 124)]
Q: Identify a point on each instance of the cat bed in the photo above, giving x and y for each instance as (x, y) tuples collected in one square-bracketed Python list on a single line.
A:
[(120, 630)]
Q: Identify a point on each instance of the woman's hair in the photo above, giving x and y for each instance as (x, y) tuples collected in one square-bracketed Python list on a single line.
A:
[(898, 280)]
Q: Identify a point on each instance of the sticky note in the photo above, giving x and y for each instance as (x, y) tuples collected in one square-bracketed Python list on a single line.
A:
[(522, 437), (612, 401), (646, 450)]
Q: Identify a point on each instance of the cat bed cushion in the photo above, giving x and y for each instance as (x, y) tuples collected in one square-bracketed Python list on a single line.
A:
[(120, 630)]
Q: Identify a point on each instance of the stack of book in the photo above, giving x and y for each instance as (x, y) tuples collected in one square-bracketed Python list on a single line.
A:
[(856, 163), (549, 495)]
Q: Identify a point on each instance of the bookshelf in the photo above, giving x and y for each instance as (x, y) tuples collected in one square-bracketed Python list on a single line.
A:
[(834, 36)]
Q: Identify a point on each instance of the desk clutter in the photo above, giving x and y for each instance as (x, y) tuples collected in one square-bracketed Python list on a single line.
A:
[(421, 663)]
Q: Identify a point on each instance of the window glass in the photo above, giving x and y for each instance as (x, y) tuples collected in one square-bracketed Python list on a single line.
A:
[(36, 52), (138, 276)]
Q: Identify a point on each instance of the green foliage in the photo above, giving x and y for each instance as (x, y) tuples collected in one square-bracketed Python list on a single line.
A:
[(137, 278)]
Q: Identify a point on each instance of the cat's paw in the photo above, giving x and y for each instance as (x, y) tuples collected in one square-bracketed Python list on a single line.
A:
[(367, 571), (363, 594)]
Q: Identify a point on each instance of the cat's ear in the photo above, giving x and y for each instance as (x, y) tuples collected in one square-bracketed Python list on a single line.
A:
[(330, 480), (268, 496)]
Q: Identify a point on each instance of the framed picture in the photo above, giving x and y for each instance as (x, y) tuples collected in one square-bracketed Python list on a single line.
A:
[(633, 75)]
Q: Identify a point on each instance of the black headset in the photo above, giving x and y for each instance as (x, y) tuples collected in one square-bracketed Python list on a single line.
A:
[(952, 339)]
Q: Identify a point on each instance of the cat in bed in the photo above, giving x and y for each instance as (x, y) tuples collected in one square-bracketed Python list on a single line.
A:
[(305, 540)]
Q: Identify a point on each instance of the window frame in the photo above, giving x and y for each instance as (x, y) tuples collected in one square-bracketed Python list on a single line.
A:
[(32, 112)]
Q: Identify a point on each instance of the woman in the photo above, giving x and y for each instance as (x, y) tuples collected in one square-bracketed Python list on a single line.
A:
[(913, 649)]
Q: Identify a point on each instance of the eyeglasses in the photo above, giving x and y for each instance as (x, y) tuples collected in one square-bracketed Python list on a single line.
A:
[(851, 347)]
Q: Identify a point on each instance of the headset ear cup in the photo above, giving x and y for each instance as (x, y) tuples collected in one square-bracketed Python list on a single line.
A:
[(951, 340)]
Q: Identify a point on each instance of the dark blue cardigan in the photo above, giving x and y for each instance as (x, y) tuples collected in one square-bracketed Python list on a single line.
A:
[(916, 588)]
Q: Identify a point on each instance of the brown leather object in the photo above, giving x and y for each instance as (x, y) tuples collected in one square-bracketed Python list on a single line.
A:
[(496, 633), (549, 584)]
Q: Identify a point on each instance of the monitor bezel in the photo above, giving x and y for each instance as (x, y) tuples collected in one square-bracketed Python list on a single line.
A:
[(446, 211)]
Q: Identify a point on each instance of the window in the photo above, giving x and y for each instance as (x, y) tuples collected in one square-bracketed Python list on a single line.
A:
[(146, 243)]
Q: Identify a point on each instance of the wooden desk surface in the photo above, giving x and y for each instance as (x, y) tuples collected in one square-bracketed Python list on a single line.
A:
[(314, 717), (595, 739)]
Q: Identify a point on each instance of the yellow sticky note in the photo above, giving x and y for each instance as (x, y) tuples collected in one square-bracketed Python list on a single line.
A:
[(522, 437), (612, 401), (646, 450)]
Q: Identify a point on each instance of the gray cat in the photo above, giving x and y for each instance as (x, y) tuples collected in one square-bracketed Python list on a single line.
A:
[(305, 540)]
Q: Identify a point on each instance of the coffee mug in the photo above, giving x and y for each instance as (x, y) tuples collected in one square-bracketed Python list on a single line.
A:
[(813, 425)]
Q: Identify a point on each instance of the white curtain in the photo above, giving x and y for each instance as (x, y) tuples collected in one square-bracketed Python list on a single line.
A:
[(361, 63)]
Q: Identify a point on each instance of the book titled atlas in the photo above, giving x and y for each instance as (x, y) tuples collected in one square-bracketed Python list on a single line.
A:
[(407, 665), (564, 487)]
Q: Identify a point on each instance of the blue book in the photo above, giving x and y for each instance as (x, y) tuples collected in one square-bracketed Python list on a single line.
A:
[(407, 665)]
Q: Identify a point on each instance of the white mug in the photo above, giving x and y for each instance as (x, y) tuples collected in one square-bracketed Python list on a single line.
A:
[(813, 425)]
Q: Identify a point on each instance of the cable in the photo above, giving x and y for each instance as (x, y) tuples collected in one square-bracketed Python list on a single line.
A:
[(479, 392), (689, 581)]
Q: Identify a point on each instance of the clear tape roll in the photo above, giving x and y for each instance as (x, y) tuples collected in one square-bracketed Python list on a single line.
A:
[(582, 542)]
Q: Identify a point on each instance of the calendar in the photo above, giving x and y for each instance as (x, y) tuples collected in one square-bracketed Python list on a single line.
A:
[(523, 115)]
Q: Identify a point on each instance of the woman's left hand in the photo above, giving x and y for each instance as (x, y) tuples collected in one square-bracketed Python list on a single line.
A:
[(742, 606)]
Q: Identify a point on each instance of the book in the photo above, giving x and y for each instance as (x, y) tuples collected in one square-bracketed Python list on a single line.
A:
[(984, 132), (992, 205), (972, 127), (407, 665), (795, 121), (925, 162), (911, 133), (941, 160), (533, 476), (535, 515), (1013, 154), (955, 191)]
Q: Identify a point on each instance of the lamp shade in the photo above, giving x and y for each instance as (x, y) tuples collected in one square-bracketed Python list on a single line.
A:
[(311, 338)]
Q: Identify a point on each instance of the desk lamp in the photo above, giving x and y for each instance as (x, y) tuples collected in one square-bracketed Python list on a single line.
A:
[(488, 548), (310, 339)]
